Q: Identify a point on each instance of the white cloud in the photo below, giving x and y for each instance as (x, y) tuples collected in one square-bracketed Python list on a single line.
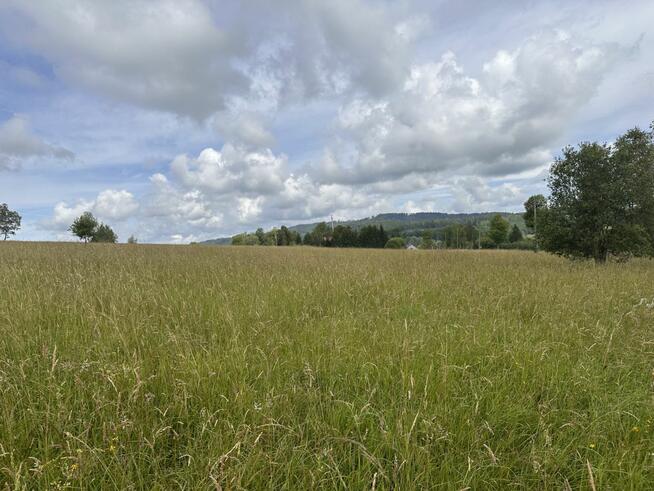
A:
[(192, 57), (231, 170), (18, 144), (115, 205), (476, 194), (444, 120), (109, 205)]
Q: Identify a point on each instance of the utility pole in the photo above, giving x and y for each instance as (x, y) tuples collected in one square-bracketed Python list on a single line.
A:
[(535, 226), (332, 217)]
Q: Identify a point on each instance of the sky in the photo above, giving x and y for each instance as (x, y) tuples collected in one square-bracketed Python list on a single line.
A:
[(183, 120)]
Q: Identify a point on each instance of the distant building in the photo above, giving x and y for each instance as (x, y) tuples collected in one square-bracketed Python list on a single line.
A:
[(411, 247)]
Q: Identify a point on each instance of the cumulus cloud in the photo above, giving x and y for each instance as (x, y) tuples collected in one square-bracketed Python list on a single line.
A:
[(109, 205), (167, 55), (18, 143), (442, 119), (476, 194), (192, 57), (232, 169), (223, 191)]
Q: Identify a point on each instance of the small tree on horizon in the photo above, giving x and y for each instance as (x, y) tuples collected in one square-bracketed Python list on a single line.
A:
[(9, 221), (104, 233), (84, 226)]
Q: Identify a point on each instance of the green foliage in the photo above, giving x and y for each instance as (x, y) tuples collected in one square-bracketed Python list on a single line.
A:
[(442, 227), (245, 239), (602, 199), (373, 236), (84, 226), (499, 229), (515, 235), (395, 243), (321, 235), (487, 243), (9, 221), (104, 233), (533, 206), (132, 240), (523, 244), (344, 236), (426, 242)]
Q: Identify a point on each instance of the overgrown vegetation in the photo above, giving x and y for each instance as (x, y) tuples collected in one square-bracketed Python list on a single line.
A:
[(164, 367)]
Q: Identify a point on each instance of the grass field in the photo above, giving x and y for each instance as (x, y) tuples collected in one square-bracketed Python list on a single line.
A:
[(165, 367)]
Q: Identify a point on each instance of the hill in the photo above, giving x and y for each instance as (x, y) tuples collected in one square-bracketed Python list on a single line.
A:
[(407, 223)]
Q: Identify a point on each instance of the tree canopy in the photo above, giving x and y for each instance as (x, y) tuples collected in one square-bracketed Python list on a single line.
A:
[(601, 199), (104, 233), (499, 228), (515, 235), (9, 221), (87, 228), (84, 226)]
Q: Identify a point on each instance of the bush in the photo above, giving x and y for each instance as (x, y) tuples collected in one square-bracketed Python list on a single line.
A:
[(395, 243)]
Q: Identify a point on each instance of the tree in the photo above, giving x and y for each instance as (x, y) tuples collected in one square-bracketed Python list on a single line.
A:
[(533, 206), (9, 221), (499, 228), (372, 236), (344, 236), (395, 243), (132, 240), (260, 235), (245, 239), (602, 199), (104, 233), (515, 235), (426, 242), (84, 226)]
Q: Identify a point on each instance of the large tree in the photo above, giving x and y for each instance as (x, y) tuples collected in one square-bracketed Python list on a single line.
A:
[(602, 199), (84, 226), (9, 221)]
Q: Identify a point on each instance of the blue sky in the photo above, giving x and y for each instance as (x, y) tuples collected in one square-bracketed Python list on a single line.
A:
[(189, 119)]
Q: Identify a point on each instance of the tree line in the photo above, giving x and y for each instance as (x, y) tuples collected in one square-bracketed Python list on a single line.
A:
[(459, 236), (322, 235)]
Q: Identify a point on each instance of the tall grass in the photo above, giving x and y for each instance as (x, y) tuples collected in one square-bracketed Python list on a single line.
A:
[(163, 367)]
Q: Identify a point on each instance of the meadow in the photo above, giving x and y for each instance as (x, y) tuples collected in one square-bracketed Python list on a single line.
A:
[(200, 367)]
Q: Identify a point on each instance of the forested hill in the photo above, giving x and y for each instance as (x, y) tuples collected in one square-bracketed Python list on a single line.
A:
[(407, 223)]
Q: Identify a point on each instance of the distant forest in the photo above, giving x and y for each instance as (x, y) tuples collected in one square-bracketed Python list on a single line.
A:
[(397, 230)]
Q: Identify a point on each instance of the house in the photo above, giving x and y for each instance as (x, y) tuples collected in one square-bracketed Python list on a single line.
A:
[(411, 247)]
